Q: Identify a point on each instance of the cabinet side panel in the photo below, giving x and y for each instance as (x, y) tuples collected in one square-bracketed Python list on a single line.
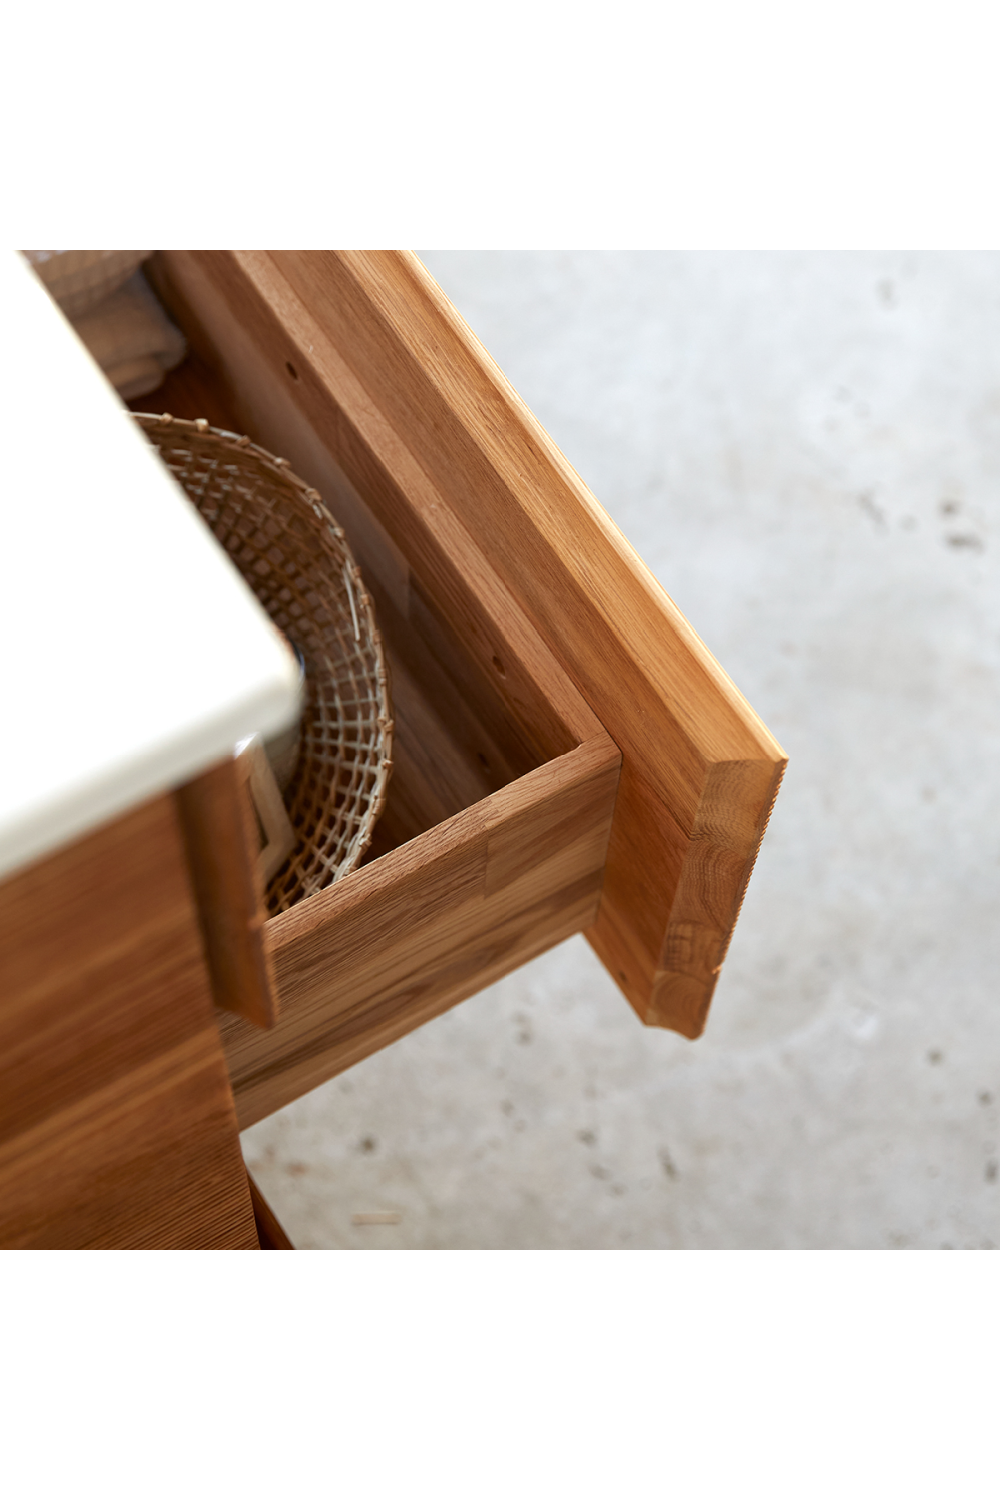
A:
[(117, 1126)]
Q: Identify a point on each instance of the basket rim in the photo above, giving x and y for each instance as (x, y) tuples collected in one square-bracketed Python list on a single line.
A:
[(357, 594)]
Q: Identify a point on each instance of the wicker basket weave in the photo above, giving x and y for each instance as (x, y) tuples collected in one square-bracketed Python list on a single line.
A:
[(293, 555)]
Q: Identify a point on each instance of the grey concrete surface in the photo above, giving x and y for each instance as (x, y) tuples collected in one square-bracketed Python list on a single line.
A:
[(805, 448)]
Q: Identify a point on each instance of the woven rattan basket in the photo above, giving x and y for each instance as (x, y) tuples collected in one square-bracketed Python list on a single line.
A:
[(293, 555)]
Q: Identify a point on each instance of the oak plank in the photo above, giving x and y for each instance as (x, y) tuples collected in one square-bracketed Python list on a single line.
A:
[(407, 937), (269, 1231), (117, 1125)]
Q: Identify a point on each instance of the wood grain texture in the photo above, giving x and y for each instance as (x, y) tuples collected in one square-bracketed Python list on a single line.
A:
[(269, 1230), (117, 1126), (424, 425), (219, 839), (469, 722), (480, 706), (405, 535), (661, 695), (676, 717), (403, 939)]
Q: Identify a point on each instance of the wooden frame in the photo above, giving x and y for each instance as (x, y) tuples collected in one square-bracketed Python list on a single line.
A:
[(533, 656)]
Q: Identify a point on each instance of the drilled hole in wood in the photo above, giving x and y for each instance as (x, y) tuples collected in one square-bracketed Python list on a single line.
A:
[(500, 666), (293, 372)]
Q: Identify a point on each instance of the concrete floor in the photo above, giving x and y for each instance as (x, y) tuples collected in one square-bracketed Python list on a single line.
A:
[(805, 448)]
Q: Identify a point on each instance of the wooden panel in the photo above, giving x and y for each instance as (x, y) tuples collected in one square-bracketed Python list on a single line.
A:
[(405, 938), (117, 1125), (364, 349), (219, 839), (269, 1231)]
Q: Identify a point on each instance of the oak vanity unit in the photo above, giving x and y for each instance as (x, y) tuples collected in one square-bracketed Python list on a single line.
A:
[(567, 755)]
